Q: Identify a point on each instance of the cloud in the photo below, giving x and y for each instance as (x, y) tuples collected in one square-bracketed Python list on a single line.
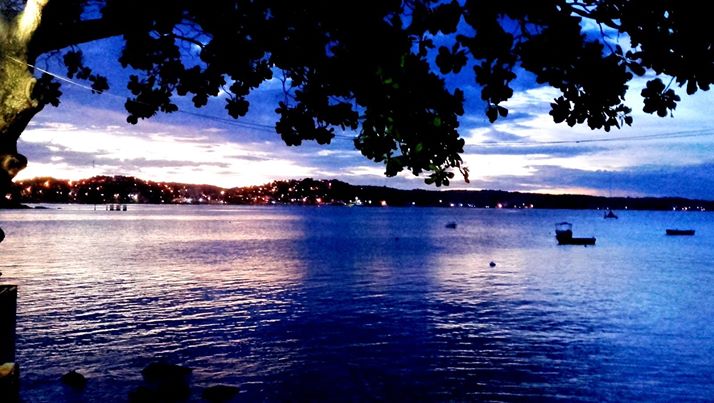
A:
[(213, 130), (204, 145), (43, 153), (39, 124), (544, 151), (691, 181), (333, 153), (171, 153), (131, 164), (494, 135)]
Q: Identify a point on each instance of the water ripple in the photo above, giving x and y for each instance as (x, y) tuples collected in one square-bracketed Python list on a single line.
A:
[(363, 304)]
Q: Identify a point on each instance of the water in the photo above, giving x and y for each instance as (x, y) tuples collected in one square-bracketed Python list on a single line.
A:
[(354, 304)]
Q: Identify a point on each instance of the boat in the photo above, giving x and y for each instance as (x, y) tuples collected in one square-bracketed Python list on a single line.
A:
[(451, 225), (680, 232), (610, 214), (564, 235)]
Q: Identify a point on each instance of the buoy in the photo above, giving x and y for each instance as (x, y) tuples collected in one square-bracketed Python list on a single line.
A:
[(492, 264)]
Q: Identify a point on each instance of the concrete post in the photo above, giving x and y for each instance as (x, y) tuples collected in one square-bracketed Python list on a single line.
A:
[(9, 374), (8, 308)]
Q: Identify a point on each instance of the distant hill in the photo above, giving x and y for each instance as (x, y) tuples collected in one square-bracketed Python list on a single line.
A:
[(125, 189)]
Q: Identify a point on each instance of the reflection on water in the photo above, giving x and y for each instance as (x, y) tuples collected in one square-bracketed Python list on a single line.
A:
[(364, 304)]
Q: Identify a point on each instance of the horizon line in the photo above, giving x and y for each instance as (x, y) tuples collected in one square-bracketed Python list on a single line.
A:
[(441, 189)]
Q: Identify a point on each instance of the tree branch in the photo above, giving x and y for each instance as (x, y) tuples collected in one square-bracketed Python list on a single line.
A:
[(582, 10), (78, 33)]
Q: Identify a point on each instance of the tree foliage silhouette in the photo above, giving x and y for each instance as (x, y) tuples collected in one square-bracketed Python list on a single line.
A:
[(378, 68)]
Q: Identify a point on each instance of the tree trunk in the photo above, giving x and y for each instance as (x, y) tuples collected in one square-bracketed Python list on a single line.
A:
[(16, 110), (17, 106)]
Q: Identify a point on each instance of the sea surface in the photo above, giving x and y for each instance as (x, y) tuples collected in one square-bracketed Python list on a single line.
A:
[(364, 304)]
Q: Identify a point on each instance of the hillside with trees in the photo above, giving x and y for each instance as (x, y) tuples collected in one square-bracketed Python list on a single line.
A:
[(125, 190)]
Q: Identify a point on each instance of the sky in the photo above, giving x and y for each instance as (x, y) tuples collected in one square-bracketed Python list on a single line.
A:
[(87, 135)]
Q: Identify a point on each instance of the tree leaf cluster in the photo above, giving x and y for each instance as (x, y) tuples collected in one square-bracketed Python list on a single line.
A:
[(383, 69)]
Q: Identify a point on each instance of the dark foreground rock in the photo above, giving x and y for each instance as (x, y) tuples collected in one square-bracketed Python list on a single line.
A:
[(163, 382), (74, 379), (162, 371), (9, 386)]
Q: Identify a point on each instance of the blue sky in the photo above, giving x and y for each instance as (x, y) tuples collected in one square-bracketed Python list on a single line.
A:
[(88, 135)]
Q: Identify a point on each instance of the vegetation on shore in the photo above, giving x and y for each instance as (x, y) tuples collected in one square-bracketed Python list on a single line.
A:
[(125, 189)]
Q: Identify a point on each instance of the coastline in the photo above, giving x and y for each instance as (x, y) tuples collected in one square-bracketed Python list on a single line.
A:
[(105, 190)]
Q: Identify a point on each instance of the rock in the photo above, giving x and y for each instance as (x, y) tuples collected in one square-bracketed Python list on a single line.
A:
[(492, 264), (167, 381), (142, 394), (220, 393), (162, 371), (146, 394), (74, 379), (9, 382), (7, 369)]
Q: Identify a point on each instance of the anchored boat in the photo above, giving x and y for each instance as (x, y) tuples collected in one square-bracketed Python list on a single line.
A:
[(680, 232), (564, 235)]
